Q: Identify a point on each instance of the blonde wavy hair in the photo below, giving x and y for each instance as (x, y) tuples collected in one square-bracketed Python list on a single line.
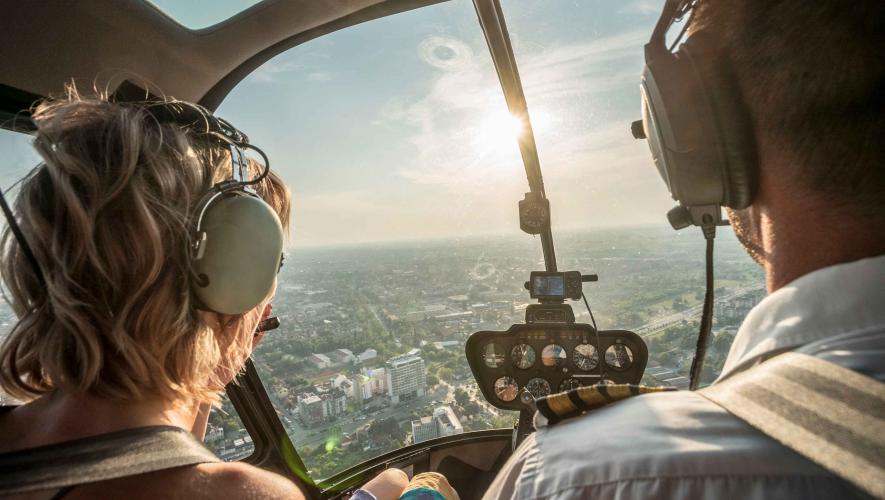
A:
[(107, 216)]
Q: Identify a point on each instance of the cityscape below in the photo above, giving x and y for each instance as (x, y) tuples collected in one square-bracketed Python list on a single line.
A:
[(369, 356)]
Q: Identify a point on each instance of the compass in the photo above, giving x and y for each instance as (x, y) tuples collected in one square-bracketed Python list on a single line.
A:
[(534, 213)]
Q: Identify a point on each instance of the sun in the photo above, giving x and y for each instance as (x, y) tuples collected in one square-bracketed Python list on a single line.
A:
[(499, 132)]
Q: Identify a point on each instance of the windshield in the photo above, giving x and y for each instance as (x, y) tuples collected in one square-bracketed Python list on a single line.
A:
[(579, 64), (395, 141), (403, 162)]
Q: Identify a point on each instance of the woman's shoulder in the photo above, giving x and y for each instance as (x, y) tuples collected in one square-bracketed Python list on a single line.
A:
[(232, 480), (236, 479)]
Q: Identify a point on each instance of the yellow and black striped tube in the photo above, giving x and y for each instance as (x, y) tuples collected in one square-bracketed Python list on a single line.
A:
[(574, 402)]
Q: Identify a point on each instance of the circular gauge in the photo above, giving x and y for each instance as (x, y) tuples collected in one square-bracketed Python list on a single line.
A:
[(619, 357), (586, 357), (493, 355), (523, 356), (553, 355), (538, 387), (569, 384), (506, 389)]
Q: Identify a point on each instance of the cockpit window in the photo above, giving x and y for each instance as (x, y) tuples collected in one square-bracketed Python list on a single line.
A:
[(405, 173), (226, 434), (402, 158), (580, 64), (196, 14), (19, 158)]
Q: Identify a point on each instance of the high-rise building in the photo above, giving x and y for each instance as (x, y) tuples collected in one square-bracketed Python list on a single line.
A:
[(444, 422), (423, 429), (406, 376)]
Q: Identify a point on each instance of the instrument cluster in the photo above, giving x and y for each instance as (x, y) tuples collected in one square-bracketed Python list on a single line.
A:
[(551, 358)]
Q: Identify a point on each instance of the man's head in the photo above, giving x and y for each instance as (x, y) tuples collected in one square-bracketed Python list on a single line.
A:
[(812, 75)]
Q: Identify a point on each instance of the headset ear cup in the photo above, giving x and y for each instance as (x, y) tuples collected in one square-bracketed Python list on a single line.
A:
[(733, 135), (241, 243)]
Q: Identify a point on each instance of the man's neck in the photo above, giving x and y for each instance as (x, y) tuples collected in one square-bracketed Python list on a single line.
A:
[(804, 241)]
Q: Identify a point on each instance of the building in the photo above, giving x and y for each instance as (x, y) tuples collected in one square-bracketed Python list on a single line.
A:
[(341, 381), (443, 423), (447, 423), (371, 382), (447, 344), (320, 361), (341, 356), (214, 434), (423, 429), (334, 403), (321, 405), (310, 407), (362, 387), (406, 376), (367, 355)]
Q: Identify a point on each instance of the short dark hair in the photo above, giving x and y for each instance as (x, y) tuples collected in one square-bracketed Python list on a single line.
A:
[(813, 77)]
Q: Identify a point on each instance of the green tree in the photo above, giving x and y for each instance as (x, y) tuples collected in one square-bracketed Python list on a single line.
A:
[(461, 397), (504, 421), (471, 408), (446, 374)]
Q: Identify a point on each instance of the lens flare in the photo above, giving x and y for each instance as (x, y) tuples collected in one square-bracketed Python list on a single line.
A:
[(500, 131)]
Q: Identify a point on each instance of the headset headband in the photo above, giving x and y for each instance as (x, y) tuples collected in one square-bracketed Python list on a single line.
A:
[(674, 11), (197, 120)]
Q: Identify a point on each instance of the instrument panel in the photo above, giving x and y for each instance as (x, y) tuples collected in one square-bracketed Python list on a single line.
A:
[(550, 358)]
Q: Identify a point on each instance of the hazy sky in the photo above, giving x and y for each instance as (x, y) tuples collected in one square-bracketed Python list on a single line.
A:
[(397, 128)]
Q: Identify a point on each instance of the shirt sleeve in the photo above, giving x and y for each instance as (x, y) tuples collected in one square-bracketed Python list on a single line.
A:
[(506, 483)]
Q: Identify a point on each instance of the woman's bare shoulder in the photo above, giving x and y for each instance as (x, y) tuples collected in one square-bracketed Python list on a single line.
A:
[(236, 480), (210, 481)]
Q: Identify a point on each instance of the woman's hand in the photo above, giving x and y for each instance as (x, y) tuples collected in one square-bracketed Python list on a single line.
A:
[(387, 485)]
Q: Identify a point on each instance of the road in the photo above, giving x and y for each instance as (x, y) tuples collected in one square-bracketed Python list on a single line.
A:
[(659, 324)]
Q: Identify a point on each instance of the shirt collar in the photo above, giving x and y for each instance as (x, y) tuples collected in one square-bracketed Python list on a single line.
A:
[(831, 301)]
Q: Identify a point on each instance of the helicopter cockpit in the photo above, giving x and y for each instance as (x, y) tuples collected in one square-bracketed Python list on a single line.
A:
[(424, 305)]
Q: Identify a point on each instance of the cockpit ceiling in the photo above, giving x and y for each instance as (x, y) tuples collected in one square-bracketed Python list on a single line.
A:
[(102, 43)]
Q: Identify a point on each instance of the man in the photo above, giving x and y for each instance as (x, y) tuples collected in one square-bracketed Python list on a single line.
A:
[(812, 75)]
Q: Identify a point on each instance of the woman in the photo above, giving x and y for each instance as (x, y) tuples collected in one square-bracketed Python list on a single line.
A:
[(110, 337)]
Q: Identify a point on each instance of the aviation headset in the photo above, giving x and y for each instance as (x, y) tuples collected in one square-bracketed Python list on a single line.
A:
[(700, 136), (236, 243), (237, 238), (696, 123)]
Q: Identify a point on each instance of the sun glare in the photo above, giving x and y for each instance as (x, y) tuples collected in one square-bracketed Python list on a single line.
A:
[(499, 132)]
